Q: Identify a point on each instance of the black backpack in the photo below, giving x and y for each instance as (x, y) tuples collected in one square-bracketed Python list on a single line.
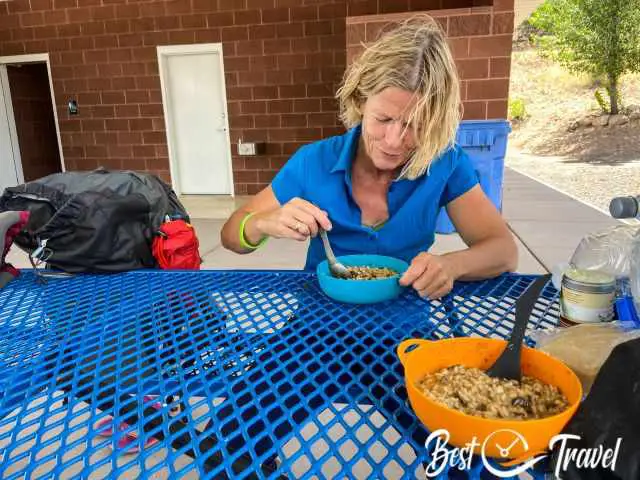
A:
[(100, 221)]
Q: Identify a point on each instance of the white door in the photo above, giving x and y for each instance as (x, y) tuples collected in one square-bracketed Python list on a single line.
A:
[(10, 166), (195, 106)]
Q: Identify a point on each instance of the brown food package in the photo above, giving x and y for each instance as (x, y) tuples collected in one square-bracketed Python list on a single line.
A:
[(585, 347)]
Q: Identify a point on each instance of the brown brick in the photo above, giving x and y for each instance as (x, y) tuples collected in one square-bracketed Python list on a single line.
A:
[(55, 17), (257, 32), (115, 27), (68, 30), (307, 105), (306, 75), (493, 46), (128, 11), (120, 55), (231, 79), (329, 105), (299, 14), (148, 82), (134, 69), (230, 34), (142, 151), (250, 47), (500, 67), (96, 56), (77, 43), (193, 21), (460, 47), (176, 7), (275, 15), (253, 188), (155, 10), (265, 92), (332, 10), (204, 5), (241, 121), (488, 89), (332, 131), (263, 63), (130, 40), (144, 54), (210, 35), (181, 37), (473, 68), (245, 176), (246, 17), (466, 25), (85, 71), (129, 138), (92, 125), (280, 106), (239, 93), (140, 124), (154, 38), (293, 60), (322, 27), (40, 33), (235, 64), (320, 90), (265, 176), (279, 77), (307, 45), (294, 120), (220, 19), (501, 5), (113, 98), (142, 24), (253, 107), (497, 109), (155, 96), (41, 5), (98, 28), (292, 91), (232, 4), (124, 83), (31, 19), (72, 58), (503, 23), (103, 111), (277, 46), (106, 138), (425, 4), (251, 78), (100, 84), (105, 41), (167, 23), (153, 138), (60, 4), (267, 121), (106, 12), (151, 110), (331, 42), (322, 119), (289, 30)]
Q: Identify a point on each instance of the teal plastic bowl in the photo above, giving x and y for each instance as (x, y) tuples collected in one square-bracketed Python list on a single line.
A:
[(362, 291)]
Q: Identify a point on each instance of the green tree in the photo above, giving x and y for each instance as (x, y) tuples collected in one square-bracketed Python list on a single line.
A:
[(598, 37)]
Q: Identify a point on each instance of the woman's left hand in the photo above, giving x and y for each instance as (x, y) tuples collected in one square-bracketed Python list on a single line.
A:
[(431, 275)]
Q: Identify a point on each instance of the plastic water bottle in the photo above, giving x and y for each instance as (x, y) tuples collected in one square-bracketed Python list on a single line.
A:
[(626, 208)]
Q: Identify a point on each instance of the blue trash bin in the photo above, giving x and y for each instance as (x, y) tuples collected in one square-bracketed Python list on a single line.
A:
[(485, 141)]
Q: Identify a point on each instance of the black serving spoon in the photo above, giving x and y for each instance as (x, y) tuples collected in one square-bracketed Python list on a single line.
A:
[(507, 365)]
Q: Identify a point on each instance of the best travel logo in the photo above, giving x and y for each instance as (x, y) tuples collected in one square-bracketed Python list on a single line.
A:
[(443, 455)]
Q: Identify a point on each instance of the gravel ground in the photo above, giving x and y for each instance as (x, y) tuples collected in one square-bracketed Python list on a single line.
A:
[(592, 183)]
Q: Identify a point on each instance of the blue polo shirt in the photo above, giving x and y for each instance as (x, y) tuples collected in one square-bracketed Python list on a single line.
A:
[(321, 173)]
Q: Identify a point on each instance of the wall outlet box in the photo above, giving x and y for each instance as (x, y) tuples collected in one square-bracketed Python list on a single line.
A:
[(247, 148)]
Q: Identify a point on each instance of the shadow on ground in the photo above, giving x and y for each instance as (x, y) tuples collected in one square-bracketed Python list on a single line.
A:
[(595, 146)]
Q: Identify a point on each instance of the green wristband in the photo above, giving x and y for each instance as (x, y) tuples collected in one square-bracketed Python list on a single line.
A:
[(243, 240)]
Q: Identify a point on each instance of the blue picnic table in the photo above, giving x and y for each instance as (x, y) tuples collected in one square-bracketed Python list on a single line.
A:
[(222, 374)]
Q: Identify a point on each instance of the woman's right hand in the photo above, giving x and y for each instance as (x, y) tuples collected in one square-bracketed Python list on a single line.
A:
[(297, 219)]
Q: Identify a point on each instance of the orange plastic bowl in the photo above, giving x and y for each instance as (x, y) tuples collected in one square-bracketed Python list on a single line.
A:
[(431, 356)]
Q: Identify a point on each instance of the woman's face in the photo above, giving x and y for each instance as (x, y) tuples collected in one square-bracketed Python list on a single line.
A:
[(387, 135)]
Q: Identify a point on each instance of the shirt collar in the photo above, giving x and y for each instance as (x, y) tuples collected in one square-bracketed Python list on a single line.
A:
[(348, 152)]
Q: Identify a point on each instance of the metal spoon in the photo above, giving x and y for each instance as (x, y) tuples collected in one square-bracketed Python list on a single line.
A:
[(508, 366), (335, 267)]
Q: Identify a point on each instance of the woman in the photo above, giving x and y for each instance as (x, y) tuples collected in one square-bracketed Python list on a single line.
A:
[(379, 187)]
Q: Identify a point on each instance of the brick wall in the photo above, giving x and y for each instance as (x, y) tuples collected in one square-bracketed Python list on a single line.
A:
[(283, 61), (37, 137), (480, 39)]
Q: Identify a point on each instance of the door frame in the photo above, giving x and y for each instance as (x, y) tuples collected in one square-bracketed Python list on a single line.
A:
[(165, 51), (21, 60)]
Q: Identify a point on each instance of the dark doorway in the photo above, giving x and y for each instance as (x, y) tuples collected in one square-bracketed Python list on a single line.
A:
[(34, 119)]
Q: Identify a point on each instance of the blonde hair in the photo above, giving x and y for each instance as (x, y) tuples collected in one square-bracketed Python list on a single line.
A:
[(413, 56)]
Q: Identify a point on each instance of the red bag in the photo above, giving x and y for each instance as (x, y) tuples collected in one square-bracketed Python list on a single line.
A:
[(176, 245), (11, 224)]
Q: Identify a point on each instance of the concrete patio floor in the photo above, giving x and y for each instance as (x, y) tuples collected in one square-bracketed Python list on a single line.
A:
[(547, 225)]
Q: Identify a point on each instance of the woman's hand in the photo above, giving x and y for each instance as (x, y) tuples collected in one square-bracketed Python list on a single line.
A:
[(431, 275), (297, 219)]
